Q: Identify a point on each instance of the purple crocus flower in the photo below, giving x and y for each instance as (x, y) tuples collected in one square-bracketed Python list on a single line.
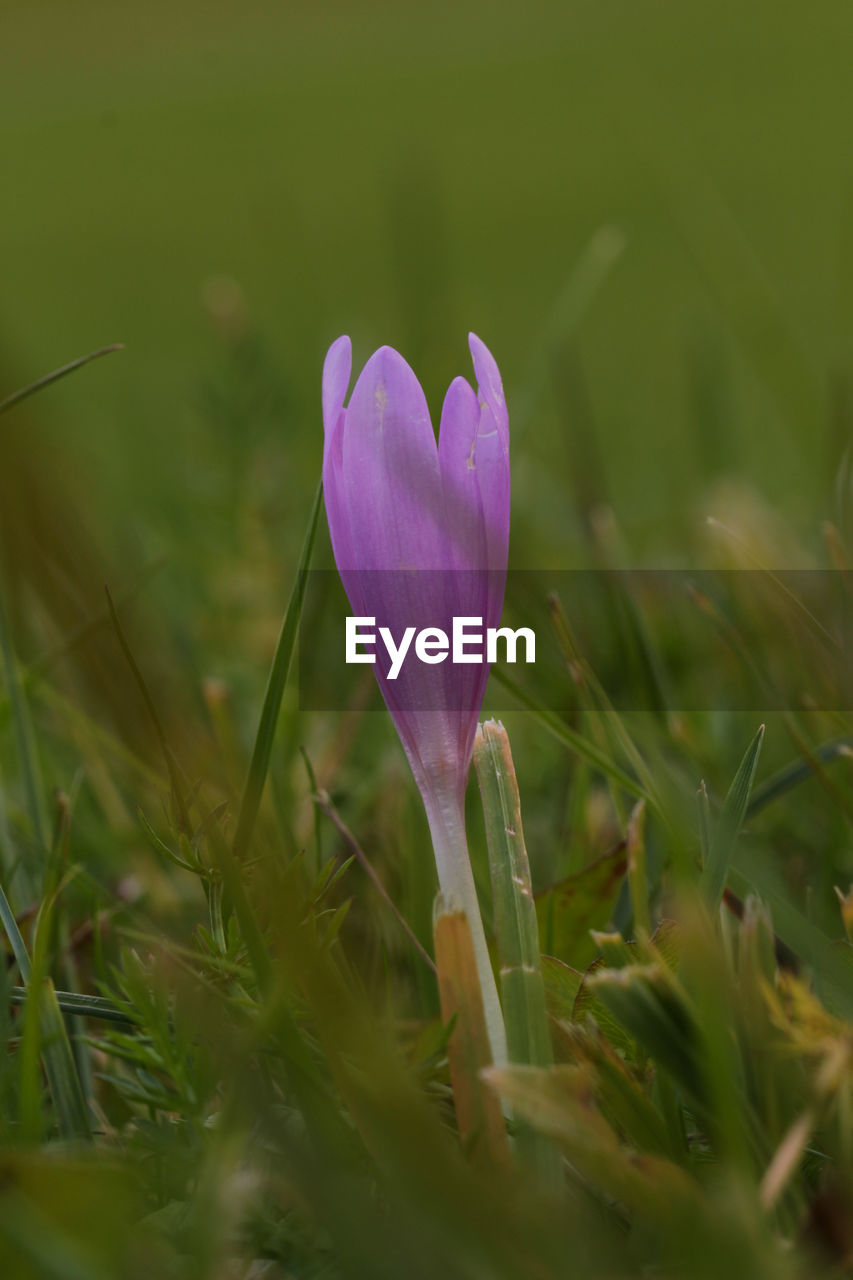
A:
[(420, 534)]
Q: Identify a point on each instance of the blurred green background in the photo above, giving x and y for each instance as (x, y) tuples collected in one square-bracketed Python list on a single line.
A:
[(645, 209), (662, 190)]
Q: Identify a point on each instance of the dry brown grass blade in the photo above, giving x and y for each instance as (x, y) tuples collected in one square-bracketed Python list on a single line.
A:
[(478, 1110)]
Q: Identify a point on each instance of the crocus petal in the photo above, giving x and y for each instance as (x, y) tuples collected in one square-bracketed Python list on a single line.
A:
[(390, 471), (492, 467), (338, 515), (489, 385), (492, 471), (397, 504), (390, 490), (336, 376), (460, 421), (468, 583), (337, 370)]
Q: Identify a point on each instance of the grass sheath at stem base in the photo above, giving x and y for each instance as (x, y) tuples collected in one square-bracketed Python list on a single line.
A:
[(456, 879), (478, 1111), (516, 929)]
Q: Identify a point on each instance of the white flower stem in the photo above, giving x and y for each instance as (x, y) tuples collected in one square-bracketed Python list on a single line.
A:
[(446, 817)]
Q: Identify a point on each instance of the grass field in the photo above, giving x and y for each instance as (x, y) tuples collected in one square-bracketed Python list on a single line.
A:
[(227, 1056)]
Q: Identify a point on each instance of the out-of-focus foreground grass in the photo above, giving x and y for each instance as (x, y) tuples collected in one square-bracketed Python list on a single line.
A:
[(645, 210)]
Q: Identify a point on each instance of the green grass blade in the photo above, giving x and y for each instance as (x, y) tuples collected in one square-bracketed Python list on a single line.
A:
[(593, 697), (44, 1031), (830, 959), (49, 378), (516, 927), (169, 759), (728, 825), (13, 933), (581, 746), (275, 689), (24, 741), (323, 804), (798, 771), (232, 882), (75, 639), (82, 1006), (61, 1069), (45, 1034), (161, 847)]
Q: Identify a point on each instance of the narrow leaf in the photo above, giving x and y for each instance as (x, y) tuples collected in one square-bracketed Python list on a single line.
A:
[(728, 826), (275, 689), (17, 396), (798, 771), (25, 743), (61, 1069), (168, 757), (581, 746), (516, 932), (516, 929), (44, 1029), (82, 1006), (10, 924)]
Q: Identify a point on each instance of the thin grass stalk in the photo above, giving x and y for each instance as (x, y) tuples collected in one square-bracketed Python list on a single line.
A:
[(25, 392), (226, 864), (229, 860), (26, 746), (82, 1006), (575, 742), (183, 819), (262, 749), (594, 698)]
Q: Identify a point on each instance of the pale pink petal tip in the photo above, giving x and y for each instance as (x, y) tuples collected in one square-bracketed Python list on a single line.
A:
[(337, 370), (489, 385), (486, 369)]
